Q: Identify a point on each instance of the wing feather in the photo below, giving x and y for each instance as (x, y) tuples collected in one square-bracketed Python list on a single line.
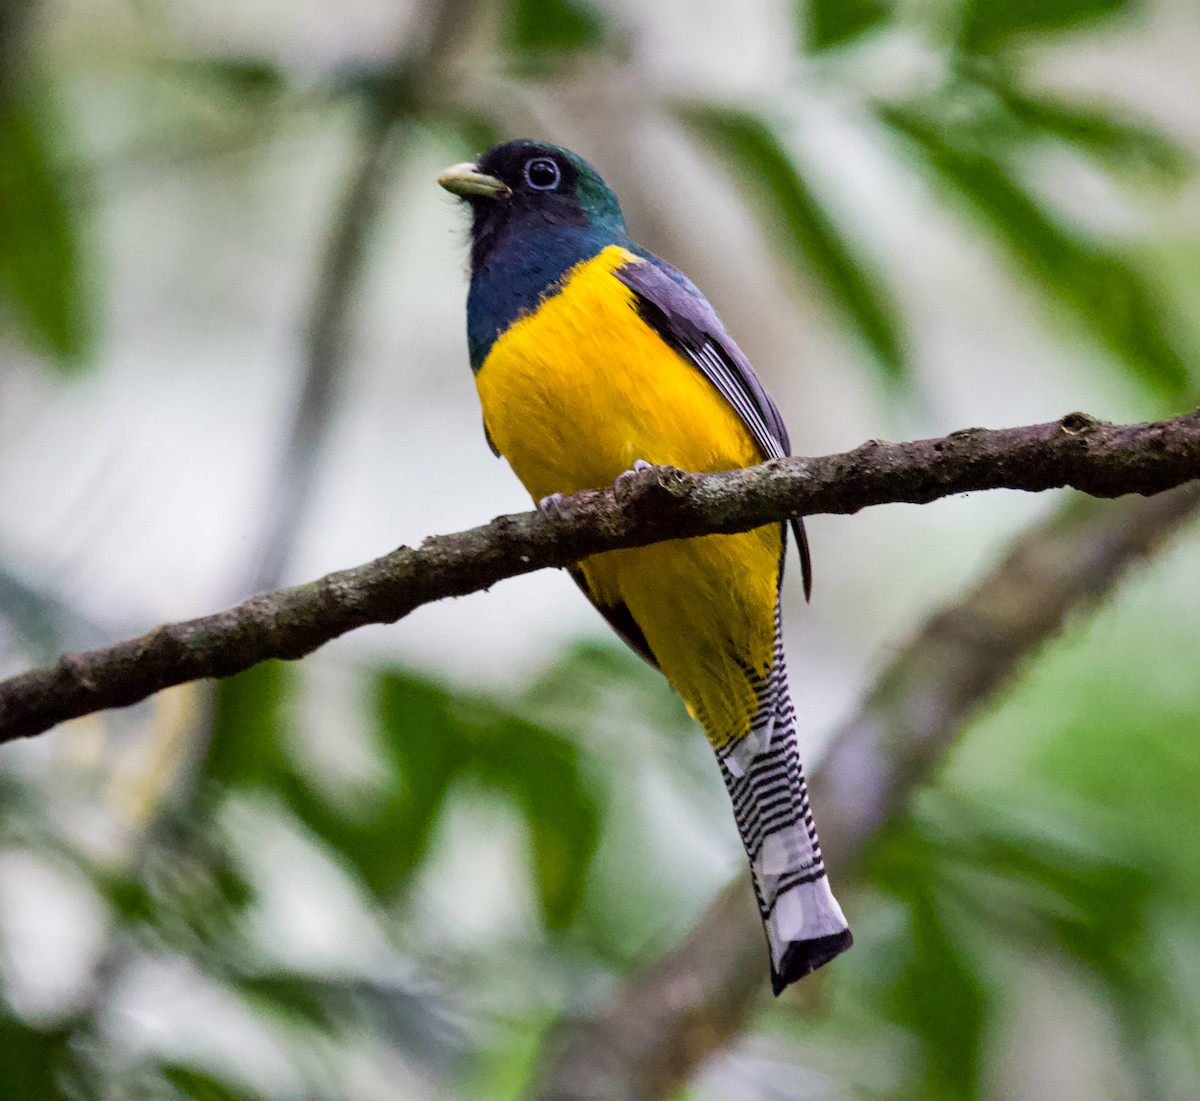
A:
[(675, 309)]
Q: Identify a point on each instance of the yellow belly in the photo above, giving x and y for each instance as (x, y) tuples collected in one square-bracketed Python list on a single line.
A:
[(572, 396)]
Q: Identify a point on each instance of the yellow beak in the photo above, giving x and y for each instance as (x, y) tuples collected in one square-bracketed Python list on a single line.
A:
[(466, 179)]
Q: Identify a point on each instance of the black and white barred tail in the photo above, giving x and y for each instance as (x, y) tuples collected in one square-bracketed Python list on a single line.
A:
[(804, 924)]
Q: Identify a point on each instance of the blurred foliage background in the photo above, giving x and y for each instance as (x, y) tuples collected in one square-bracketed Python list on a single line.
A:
[(231, 355)]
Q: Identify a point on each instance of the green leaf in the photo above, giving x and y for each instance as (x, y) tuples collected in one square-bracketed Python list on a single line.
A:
[(553, 26), (1119, 142), (39, 241), (432, 738), (542, 771), (1123, 727), (199, 1085), (30, 1061), (941, 997), (299, 996), (1071, 880), (1059, 877), (246, 78), (186, 890), (248, 732), (429, 748), (564, 824), (1103, 291), (435, 738), (989, 24), (836, 22), (812, 241), (937, 992), (130, 898), (385, 836)]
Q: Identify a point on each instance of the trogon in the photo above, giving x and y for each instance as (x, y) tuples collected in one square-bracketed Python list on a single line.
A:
[(592, 356)]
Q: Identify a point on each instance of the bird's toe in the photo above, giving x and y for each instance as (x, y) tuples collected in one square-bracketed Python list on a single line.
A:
[(551, 505)]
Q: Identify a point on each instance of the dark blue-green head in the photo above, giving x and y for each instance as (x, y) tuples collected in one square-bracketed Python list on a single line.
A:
[(526, 187), (537, 210)]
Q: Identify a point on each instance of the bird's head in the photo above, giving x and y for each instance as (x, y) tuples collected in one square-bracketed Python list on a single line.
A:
[(526, 185)]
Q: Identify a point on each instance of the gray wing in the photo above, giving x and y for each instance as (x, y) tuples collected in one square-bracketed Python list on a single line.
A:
[(673, 307)]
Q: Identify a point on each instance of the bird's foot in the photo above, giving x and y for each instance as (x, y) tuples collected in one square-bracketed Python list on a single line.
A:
[(626, 476), (551, 505)]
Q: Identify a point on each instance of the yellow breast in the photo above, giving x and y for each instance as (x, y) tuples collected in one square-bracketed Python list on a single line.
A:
[(573, 394), (576, 391)]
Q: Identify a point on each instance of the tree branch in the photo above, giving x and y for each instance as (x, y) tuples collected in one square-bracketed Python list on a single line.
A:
[(655, 505), (650, 1038)]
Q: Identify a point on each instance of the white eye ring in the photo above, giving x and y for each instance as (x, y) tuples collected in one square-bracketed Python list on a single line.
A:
[(539, 165)]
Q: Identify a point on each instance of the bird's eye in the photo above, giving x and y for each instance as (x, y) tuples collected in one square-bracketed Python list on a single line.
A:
[(542, 174)]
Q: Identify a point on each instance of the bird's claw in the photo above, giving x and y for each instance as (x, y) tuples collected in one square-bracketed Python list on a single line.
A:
[(551, 505), (626, 476)]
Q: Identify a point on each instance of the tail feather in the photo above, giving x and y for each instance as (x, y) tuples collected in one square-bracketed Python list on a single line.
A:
[(804, 957), (804, 924)]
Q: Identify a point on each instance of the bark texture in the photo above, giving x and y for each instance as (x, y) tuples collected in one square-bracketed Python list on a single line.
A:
[(653, 505)]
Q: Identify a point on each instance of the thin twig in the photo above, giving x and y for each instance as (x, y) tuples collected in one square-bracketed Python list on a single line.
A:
[(654, 505)]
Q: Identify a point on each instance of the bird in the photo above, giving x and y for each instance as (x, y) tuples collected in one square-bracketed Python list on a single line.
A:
[(592, 357)]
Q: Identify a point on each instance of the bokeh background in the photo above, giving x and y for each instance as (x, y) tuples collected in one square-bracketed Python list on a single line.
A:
[(232, 355)]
